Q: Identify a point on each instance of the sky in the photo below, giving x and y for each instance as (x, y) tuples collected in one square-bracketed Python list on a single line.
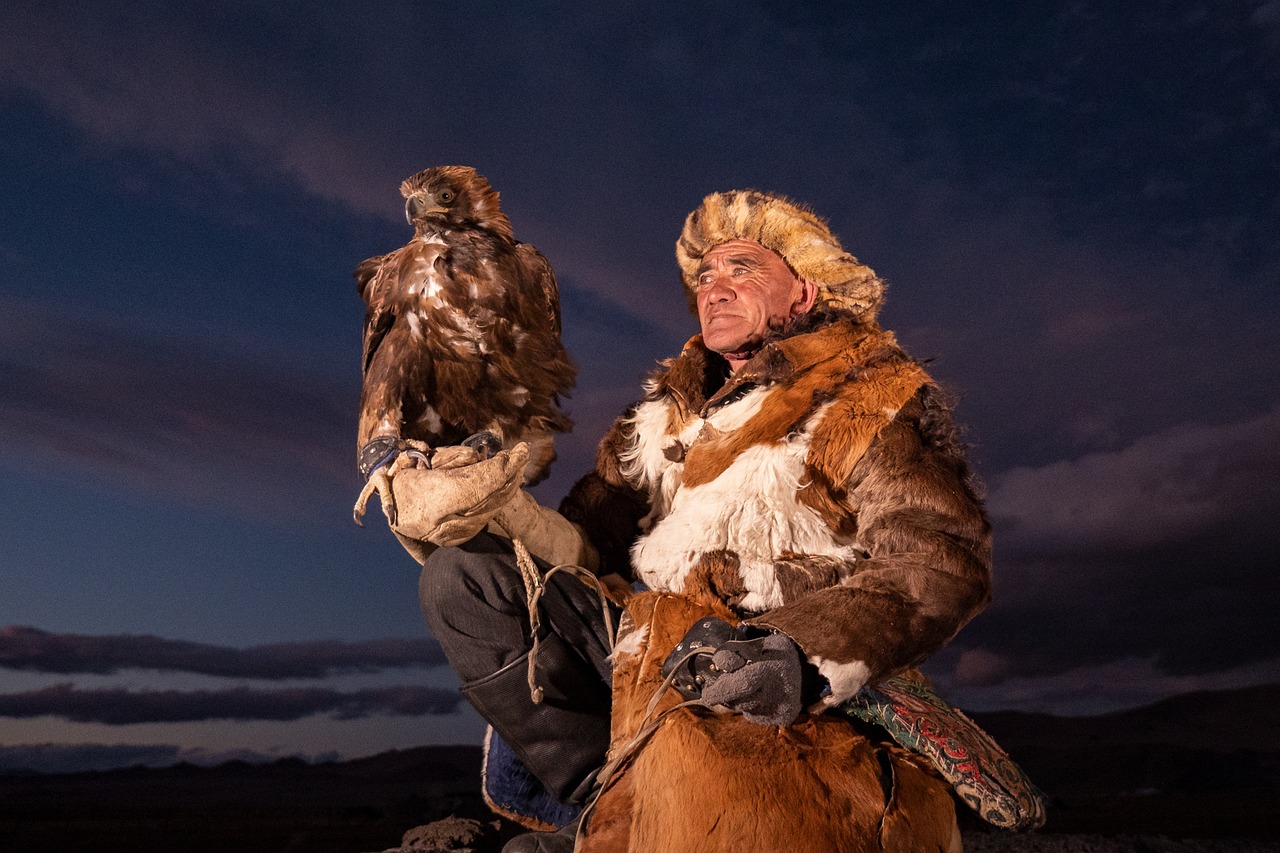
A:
[(1074, 203)]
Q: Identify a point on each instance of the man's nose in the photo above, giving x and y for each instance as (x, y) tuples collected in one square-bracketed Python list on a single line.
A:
[(719, 289)]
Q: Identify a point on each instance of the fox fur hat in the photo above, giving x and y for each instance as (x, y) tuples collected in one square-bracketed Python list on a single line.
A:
[(793, 231)]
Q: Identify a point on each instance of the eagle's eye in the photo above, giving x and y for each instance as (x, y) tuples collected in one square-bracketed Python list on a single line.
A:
[(445, 196)]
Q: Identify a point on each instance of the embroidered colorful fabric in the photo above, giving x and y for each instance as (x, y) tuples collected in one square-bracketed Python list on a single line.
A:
[(983, 774)]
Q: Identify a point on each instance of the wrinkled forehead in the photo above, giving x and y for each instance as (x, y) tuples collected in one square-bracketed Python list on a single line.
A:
[(747, 253), (740, 250)]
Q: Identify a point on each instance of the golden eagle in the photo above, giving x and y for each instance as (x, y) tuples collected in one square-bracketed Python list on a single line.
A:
[(461, 336)]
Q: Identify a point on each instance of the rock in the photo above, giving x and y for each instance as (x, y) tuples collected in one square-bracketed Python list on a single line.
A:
[(451, 835)]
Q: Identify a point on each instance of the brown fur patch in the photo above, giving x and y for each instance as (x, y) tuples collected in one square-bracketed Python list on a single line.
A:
[(619, 436), (685, 379), (863, 408), (798, 575), (707, 783), (716, 575)]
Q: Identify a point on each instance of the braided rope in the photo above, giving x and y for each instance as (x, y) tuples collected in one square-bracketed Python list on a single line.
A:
[(535, 584)]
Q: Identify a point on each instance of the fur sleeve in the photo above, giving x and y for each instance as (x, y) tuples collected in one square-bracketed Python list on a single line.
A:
[(926, 566), (606, 506)]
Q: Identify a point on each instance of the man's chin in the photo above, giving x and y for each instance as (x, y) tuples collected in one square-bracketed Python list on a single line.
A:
[(735, 349)]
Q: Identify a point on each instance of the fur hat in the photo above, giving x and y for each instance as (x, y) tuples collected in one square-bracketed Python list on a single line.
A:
[(792, 230)]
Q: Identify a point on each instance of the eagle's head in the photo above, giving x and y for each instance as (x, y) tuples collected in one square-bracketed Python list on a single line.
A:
[(452, 196)]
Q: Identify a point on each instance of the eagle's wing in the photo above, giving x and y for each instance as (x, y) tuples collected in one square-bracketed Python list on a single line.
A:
[(379, 316), (538, 271)]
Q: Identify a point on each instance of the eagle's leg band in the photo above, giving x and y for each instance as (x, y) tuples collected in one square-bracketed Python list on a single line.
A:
[(486, 443), (378, 452)]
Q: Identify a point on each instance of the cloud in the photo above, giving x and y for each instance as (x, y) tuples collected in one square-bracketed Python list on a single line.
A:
[(23, 648), (85, 399), (1164, 488), (144, 77), (1127, 682), (119, 706), (1162, 551)]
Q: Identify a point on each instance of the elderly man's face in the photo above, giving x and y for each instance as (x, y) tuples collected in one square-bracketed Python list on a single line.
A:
[(744, 292)]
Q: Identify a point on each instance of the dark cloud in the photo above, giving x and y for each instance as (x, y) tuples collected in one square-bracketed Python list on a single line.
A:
[(1156, 560), (120, 706), (1151, 121), (964, 676), (1162, 489), (30, 649), (174, 416)]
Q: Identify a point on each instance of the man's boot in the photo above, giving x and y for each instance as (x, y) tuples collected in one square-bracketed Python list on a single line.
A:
[(560, 841), (562, 739)]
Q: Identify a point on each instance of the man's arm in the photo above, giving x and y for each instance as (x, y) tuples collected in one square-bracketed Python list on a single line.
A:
[(605, 506), (926, 567)]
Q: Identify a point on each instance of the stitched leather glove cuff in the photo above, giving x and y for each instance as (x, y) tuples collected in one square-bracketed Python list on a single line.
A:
[(743, 669)]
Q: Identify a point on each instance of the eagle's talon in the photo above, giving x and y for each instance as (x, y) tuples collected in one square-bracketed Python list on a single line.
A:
[(485, 443), (379, 482)]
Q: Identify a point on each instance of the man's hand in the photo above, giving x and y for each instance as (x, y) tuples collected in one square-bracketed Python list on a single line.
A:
[(760, 677)]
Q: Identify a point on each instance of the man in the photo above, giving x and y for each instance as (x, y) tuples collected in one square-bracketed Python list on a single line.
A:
[(793, 461)]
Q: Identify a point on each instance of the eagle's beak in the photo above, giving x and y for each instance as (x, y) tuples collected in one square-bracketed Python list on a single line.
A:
[(413, 206)]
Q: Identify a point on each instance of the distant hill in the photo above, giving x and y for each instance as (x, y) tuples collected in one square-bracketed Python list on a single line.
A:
[(1197, 765), (1203, 765), (238, 807), (1247, 718)]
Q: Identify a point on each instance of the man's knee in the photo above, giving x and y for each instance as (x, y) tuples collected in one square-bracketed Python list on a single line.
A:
[(466, 576)]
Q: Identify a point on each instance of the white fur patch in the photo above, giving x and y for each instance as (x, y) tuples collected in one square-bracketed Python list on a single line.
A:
[(733, 416), (423, 275), (646, 464), (845, 679), (643, 462), (750, 509), (434, 285), (631, 644)]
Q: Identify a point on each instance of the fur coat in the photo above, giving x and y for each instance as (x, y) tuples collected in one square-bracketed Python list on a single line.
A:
[(819, 491)]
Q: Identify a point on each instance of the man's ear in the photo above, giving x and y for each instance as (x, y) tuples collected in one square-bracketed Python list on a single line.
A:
[(808, 295)]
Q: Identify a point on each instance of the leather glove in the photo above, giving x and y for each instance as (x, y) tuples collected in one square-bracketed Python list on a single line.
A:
[(760, 676), (546, 533), (453, 500)]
